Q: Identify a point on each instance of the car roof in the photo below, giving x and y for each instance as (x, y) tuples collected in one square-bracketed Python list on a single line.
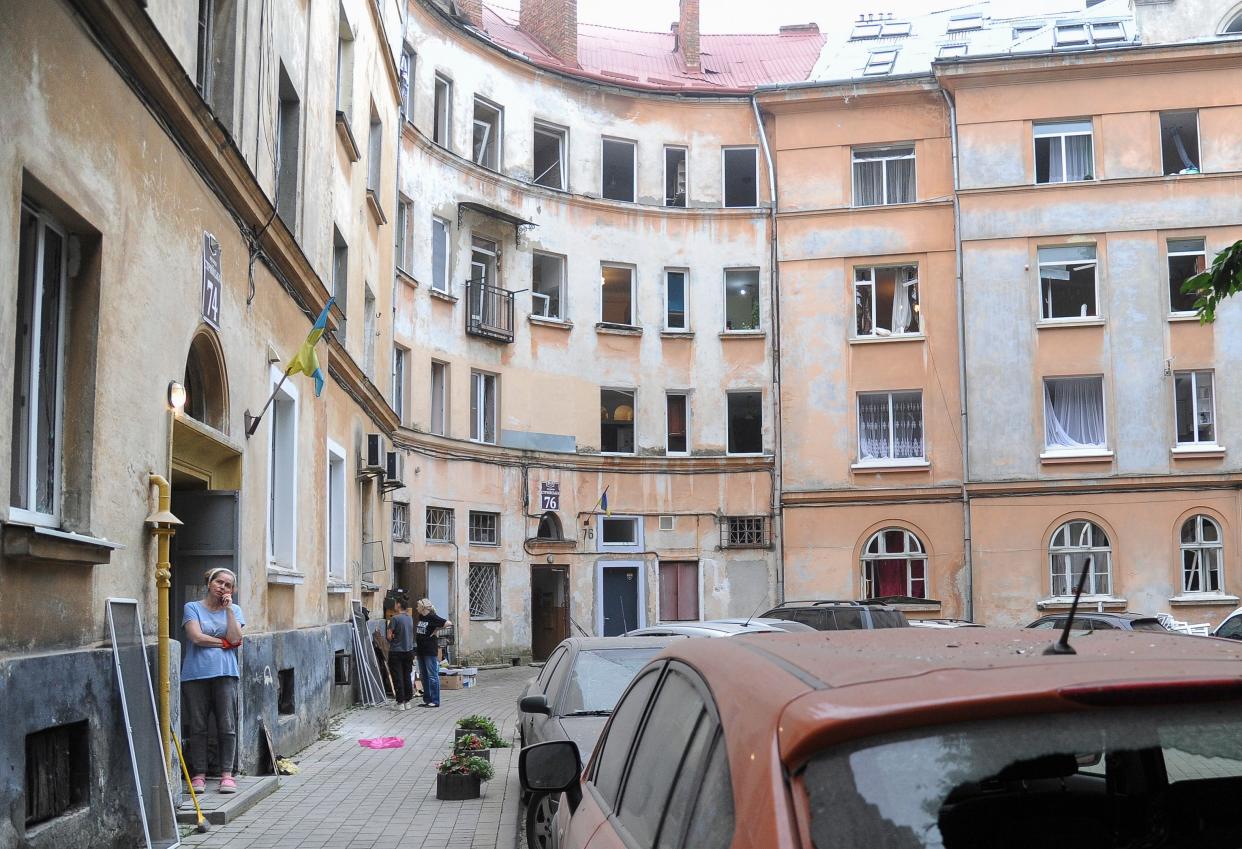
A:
[(720, 627), (597, 643), (1108, 614)]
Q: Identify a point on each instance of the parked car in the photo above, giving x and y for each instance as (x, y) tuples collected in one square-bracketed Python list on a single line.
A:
[(944, 623), (708, 628), (1101, 622), (787, 625), (571, 699), (1231, 628), (834, 615), (900, 738)]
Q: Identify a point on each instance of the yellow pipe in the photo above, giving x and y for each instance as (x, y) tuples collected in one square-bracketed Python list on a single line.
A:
[(163, 531)]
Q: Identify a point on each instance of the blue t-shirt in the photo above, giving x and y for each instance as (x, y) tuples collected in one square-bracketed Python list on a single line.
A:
[(198, 662)]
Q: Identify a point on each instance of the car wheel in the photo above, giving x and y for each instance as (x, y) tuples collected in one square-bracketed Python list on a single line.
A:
[(541, 821)]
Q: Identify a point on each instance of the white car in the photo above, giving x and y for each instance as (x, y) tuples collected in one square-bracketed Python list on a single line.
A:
[(944, 623), (713, 628), (1231, 628)]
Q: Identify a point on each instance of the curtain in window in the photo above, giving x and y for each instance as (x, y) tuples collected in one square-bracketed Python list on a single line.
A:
[(907, 425), (868, 183), (888, 577), (905, 296), (1077, 157), (873, 427), (900, 180), (1074, 413)]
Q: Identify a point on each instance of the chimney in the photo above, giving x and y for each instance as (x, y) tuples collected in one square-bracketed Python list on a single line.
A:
[(554, 24), (472, 11), (688, 34)]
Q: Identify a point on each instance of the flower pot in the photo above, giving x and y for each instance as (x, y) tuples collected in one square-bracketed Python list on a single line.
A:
[(454, 787)]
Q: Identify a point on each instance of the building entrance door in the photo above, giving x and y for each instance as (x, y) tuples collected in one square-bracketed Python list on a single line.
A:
[(619, 599), (549, 608)]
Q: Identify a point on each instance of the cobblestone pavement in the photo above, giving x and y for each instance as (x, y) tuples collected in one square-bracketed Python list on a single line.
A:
[(349, 797)]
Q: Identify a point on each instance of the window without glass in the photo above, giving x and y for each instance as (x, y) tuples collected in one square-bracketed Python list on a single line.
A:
[(741, 176), (368, 331), (547, 282), (483, 402), (439, 254), (1074, 413), (439, 525), (375, 152), (1202, 553), (619, 170), (405, 234), (398, 381), (400, 522), (675, 317), (439, 396), (484, 528), (884, 176), (1063, 152), (1195, 406), (879, 62), (616, 421), (38, 369), (894, 562), (1179, 142), (442, 111), (1087, 34), (484, 590), (282, 478), (407, 82), (1187, 257), (964, 22), (288, 128), (677, 419), (215, 69), (550, 155), (741, 299), (675, 176), (951, 51), (617, 295), (745, 412), (485, 147), (344, 65), (886, 300), (679, 591), (1079, 546), (618, 530), (336, 514), (890, 426), (340, 279), (1067, 282)]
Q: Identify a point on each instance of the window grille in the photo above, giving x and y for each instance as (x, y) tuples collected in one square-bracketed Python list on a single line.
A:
[(484, 528), (401, 522), (745, 532), (484, 590), (439, 524)]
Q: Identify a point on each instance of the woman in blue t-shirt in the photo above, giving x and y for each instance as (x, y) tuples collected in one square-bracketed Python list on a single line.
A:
[(209, 676)]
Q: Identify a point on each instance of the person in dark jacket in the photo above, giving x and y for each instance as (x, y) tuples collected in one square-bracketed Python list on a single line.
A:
[(428, 646), (401, 654)]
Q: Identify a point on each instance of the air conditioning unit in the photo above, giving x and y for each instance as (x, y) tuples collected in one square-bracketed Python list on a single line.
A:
[(375, 459), (392, 469)]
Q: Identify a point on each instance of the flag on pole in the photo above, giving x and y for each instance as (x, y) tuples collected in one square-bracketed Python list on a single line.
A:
[(603, 502), (306, 361)]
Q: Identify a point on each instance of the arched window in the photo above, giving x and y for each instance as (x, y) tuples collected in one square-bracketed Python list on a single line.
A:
[(206, 386), (1201, 555), (1079, 545), (894, 562), (1234, 27), (550, 527)]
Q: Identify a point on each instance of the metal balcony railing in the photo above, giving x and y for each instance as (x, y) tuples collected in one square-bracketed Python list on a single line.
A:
[(489, 311)]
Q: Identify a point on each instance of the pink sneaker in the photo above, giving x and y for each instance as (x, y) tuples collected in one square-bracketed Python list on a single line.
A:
[(199, 783), (228, 784)]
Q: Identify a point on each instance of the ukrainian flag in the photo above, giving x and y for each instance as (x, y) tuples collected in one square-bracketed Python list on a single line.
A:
[(305, 361)]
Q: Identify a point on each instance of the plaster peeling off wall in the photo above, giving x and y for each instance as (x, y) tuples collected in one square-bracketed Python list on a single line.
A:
[(735, 587)]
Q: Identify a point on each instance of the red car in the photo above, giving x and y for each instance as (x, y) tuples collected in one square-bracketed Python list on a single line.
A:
[(912, 737)]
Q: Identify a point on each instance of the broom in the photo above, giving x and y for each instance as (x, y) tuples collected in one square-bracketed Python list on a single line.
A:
[(202, 820)]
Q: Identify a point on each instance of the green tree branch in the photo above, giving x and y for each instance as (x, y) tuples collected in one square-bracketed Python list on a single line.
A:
[(1220, 281)]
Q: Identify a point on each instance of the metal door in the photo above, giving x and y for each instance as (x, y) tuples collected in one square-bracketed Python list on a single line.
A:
[(440, 587), (620, 600)]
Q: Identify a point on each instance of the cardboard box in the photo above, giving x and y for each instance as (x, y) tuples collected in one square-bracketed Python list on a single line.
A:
[(450, 681)]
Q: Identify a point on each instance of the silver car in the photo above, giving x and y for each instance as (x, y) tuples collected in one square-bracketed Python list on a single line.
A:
[(719, 628)]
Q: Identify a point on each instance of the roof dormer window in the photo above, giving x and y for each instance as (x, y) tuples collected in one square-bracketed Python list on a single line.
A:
[(965, 22)]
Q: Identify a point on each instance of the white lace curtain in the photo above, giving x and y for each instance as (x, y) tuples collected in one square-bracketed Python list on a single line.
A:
[(1074, 413), (1077, 157), (905, 296), (890, 426)]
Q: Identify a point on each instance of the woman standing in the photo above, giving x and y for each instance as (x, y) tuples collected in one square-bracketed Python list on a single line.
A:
[(401, 653), (429, 650), (209, 676)]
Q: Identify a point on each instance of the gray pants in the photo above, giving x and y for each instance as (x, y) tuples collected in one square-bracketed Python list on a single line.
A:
[(198, 699)]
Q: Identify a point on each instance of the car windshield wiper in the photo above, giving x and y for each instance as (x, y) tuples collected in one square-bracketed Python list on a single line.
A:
[(589, 713)]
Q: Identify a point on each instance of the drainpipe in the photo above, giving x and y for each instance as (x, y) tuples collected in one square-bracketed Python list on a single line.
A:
[(778, 478), (967, 555), (163, 525)]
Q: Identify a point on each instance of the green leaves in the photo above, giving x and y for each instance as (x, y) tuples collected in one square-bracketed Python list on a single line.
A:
[(485, 728), (466, 765), (1220, 281)]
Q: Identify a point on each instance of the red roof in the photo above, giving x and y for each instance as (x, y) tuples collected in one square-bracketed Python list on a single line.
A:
[(731, 63)]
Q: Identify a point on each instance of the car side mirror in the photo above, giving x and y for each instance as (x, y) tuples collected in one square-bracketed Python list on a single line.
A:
[(552, 767), (537, 703)]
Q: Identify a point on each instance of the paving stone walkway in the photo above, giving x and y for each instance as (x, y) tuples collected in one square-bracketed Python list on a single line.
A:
[(349, 797)]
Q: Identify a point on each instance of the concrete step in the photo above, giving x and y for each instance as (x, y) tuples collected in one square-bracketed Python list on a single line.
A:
[(220, 808)]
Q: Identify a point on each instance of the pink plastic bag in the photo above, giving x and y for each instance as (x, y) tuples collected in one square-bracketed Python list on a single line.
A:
[(383, 742)]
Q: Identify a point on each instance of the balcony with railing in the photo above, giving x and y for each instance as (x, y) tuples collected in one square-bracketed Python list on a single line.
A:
[(489, 311)]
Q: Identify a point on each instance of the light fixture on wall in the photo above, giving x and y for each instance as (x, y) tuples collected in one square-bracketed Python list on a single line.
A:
[(176, 396)]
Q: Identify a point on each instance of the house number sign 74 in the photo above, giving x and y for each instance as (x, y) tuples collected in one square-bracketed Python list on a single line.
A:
[(211, 280)]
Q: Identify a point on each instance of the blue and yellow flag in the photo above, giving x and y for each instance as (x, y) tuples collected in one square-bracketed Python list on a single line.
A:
[(306, 361), (603, 502)]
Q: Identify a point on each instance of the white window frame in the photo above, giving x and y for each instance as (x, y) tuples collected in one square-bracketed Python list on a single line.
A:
[(892, 430), (724, 280), (538, 298), (953, 51), (724, 175), (489, 130), (478, 423), (916, 309), (1065, 264), (400, 521), (898, 152), (409, 59), (441, 285), (634, 544), (474, 528), (686, 150), (440, 427), (31, 421), (561, 134), (1196, 412), (685, 300), (1101, 450), (337, 526), (400, 358), (404, 241), (1053, 130), (1090, 588), (633, 322), (684, 394), (1199, 547), (282, 555), (442, 111), (368, 330), (633, 168), (880, 62), (1169, 254), (914, 549)]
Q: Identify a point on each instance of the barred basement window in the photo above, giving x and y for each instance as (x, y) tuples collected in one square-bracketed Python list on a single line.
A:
[(484, 590), (439, 526), (484, 528), (745, 532), (401, 522), (58, 768)]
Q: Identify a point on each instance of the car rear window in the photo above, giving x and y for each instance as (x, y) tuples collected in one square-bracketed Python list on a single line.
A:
[(888, 619), (1101, 778), (846, 619), (600, 676), (1147, 625)]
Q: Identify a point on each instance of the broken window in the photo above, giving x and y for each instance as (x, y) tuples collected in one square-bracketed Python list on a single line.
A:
[(965, 21), (741, 299), (886, 300), (216, 66), (884, 175), (375, 152), (58, 771), (439, 254), (1072, 35), (340, 279), (439, 398), (404, 234), (483, 403), (1063, 152), (675, 314), (890, 426), (484, 590), (1201, 555), (407, 82), (1074, 413), (368, 331), (1067, 282), (1187, 257), (442, 112), (344, 65), (879, 62), (547, 291), (1195, 407), (952, 51), (485, 148), (484, 528), (894, 563), (550, 155), (741, 171), (439, 525), (617, 295), (1179, 142), (675, 176), (1079, 547), (745, 414), (619, 170), (288, 148), (618, 530), (677, 412), (616, 421)]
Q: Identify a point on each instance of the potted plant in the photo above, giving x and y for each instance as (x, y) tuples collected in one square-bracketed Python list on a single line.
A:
[(471, 744), (459, 776), (482, 727)]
